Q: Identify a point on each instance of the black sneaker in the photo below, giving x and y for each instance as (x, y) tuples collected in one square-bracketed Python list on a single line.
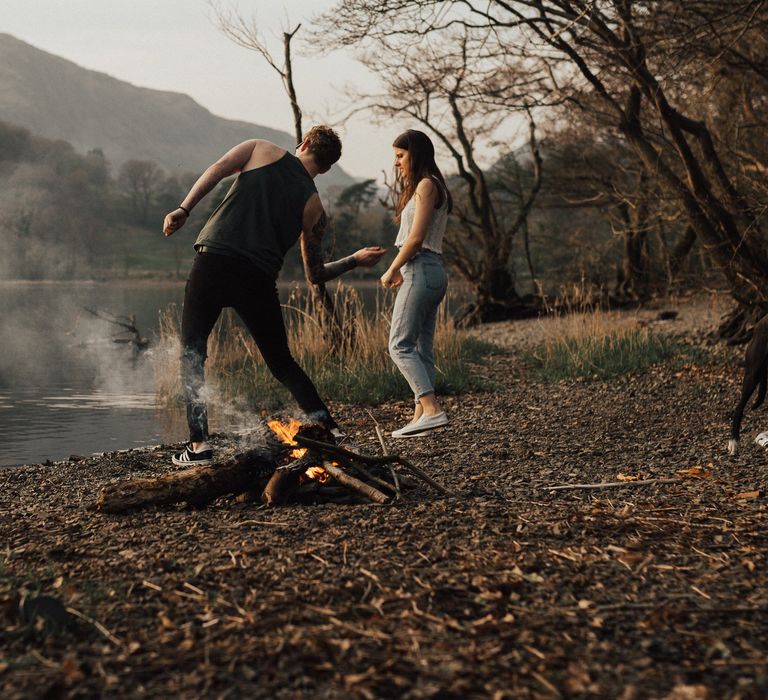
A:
[(187, 457)]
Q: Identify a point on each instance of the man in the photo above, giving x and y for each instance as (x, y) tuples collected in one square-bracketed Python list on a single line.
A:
[(241, 248)]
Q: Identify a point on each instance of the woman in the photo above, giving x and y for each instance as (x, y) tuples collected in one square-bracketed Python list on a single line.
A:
[(418, 272)]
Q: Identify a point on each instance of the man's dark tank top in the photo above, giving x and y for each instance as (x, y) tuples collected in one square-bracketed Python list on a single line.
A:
[(261, 216)]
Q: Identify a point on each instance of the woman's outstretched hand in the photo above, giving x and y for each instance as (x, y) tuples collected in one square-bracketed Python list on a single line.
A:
[(391, 279)]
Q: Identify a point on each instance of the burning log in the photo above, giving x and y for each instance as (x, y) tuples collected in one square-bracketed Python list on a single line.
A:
[(355, 484), (366, 459), (286, 481), (197, 486)]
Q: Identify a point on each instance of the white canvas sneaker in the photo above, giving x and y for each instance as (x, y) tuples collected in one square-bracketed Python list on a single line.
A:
[(421, 426)]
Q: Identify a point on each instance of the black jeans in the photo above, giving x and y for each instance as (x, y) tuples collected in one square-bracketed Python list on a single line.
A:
[(217, 281)]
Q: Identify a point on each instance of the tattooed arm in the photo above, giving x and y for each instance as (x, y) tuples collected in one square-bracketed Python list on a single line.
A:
[(314, 227)]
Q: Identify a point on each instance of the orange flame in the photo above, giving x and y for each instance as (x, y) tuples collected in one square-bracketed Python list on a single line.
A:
[(286, 432), (317, 473)]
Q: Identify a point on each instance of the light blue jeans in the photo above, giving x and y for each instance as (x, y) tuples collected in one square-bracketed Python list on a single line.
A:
[(412, 333)]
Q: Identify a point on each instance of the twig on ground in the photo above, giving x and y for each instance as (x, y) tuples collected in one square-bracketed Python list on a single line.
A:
[(385, 452), (111, 637), (611, 484)]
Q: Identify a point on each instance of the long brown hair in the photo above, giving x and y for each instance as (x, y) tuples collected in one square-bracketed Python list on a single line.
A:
[(421, 159)]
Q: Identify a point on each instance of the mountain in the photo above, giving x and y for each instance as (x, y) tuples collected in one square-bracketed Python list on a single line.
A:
[(58, 99)]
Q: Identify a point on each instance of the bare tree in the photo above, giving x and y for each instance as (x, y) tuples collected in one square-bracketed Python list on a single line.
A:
[(140, 179), (631, 56), (462, 103), (245, 32)]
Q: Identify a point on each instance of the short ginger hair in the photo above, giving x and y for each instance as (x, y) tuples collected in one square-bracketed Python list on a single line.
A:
[(324, 144)]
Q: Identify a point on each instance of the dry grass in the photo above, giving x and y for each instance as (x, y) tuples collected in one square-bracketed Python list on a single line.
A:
[(599, 344), (357, 370)]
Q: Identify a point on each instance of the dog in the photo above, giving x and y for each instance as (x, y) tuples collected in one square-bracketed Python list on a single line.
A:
[(755, 375)]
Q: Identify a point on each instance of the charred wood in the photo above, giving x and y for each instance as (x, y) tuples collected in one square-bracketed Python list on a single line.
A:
[(196, 486), (368, 460), (286, 480)]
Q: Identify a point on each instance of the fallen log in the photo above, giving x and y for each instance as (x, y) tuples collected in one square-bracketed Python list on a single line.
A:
[(196, 486)]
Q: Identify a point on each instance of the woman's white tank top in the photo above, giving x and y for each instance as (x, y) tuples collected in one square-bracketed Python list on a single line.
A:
[(435, 231)]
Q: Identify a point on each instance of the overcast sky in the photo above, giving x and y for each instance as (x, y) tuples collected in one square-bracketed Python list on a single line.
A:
[(175, 45)]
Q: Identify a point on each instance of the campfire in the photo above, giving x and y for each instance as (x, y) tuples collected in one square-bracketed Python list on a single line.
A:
[(303, 465), (286, 432), (320, 470)]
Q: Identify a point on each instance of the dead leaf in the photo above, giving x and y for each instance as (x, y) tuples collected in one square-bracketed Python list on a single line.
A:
[(578, 678), (630, 559), (749, 494), (696, 472), (688, 692), (70, 669)]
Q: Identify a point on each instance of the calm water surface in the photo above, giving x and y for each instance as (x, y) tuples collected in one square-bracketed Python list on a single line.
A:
[(65, 387)]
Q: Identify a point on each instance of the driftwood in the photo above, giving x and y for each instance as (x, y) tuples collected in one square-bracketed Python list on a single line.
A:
[(129, 334), (197, 486)]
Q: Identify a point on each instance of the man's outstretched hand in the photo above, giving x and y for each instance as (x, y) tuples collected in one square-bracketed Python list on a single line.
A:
[(174, 221), (368, 257)]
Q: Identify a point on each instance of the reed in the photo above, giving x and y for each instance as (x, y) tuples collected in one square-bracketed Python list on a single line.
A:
[(356, 370)]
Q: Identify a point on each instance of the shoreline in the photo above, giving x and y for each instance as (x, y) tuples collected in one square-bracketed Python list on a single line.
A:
[(162, 281), (506, 588)]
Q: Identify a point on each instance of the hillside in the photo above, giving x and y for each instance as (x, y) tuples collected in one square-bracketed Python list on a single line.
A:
[(58, 99)]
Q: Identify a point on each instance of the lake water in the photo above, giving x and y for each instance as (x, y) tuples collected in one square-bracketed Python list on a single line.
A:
[(66, 388)]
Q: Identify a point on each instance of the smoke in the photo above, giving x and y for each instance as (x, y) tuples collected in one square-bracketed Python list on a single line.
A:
[(50, 340)]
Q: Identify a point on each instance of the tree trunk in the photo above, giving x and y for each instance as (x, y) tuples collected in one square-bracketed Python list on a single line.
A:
[(681, 250)]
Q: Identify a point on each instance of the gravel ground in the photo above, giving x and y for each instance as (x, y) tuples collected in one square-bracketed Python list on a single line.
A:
[(506, 589)]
